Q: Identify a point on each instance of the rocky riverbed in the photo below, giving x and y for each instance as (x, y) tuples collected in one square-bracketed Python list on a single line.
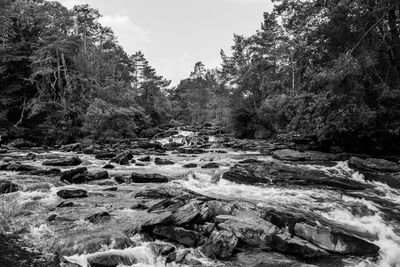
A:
[(196, 199)]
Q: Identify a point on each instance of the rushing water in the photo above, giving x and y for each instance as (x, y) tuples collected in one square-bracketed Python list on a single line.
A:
[(30, 207)]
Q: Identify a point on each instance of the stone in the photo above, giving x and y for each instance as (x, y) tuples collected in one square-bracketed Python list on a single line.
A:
[(99, 175), (150, 145), (160, 249), (159, 161), (123, 158), (72, 193), (7, 187), (314, 156), (186, 214), (220, 244), (190, 165), (110, 259), (177, 234), (211, 165), (372, 164), (148, 178), (333, 241), (296, 246), (148, 224), (191, 151), (105, 155), (65, 204), (253, 231), (18, 167), (70, 174), (145, 159), (98, 217), (108, 166), (74, 161)]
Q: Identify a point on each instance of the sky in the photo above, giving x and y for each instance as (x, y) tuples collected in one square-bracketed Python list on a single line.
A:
[(175, 34)]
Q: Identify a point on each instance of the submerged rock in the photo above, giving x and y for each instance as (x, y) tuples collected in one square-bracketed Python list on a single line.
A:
[(72, 193), (211, 165), (145, 159), (190, 165), (7, 187), (74, 161), (98, 217)]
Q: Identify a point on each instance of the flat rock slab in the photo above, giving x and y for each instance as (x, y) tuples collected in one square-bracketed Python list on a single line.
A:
[(71, 193)]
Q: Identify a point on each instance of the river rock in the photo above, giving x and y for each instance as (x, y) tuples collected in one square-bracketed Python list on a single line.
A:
[(108, 166), (372, 164), (72, 193), (98, 217), (91, 243), (191, 151), (148, 222), (391, 179), (123, 158), (211, 165), (99, 175), (293, 155), (160, 249), (18, 167), (150, 145), (148, 178), (252, 231), (220, 244), (277, 172), (159, 161), (74, 161), (190, 165), (8, 187), (21, 143), (72, 175), (145, 159), (186, 214), (43, 172), (333, 241), (296, 246), (105, 155), (111, 259), (178, 234)]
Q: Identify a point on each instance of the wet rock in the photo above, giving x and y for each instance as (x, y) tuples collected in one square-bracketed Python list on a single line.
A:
[(177, 234), (105, 155), (21, 143), (258, 258), (186, 214), (72, 193), (159, 161), (145, 159), (43, 172), (51, 218), (71, 147), (18, 167), (160, 249), (391, 179), (211, 165), (7, 187), (293, 155), (249, 161), (72, 175), (191, 151), (111, 189), (220, 244), (177, 256), (98, 217), (3, 151), (150, 145), (277, 172), (140, 205), (148, 178), (372, 164), (108, 166), (91, 243), (147, 224), (65, 204), (333, 241), (253, 231), (110, 259), (74, 161), (190, 165), (99, 175), (122, 179), (161, 192), (296, 246), (123, 158), (217, 207)]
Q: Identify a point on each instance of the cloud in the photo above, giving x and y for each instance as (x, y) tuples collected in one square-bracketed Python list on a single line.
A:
[(71, 3), (245, 2), (131, 36)]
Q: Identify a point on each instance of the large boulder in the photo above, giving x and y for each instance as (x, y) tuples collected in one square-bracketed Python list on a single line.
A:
[(8, 187), (372, 164), (220, 244), (296, 246), (74, 161), (177, 234), (160, 161), (186, 214), (251, 231), (77, 175), (277, 172), (123, 158), (334, 241), (72, 193)]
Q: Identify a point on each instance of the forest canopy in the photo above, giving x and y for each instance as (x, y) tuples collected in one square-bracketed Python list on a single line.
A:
[(329, 69)]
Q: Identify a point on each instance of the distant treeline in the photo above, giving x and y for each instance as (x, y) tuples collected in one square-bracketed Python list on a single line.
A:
[(324, 68)]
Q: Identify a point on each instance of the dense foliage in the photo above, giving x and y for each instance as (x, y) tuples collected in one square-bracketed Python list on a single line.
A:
[(327, 68), (64, 76)]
